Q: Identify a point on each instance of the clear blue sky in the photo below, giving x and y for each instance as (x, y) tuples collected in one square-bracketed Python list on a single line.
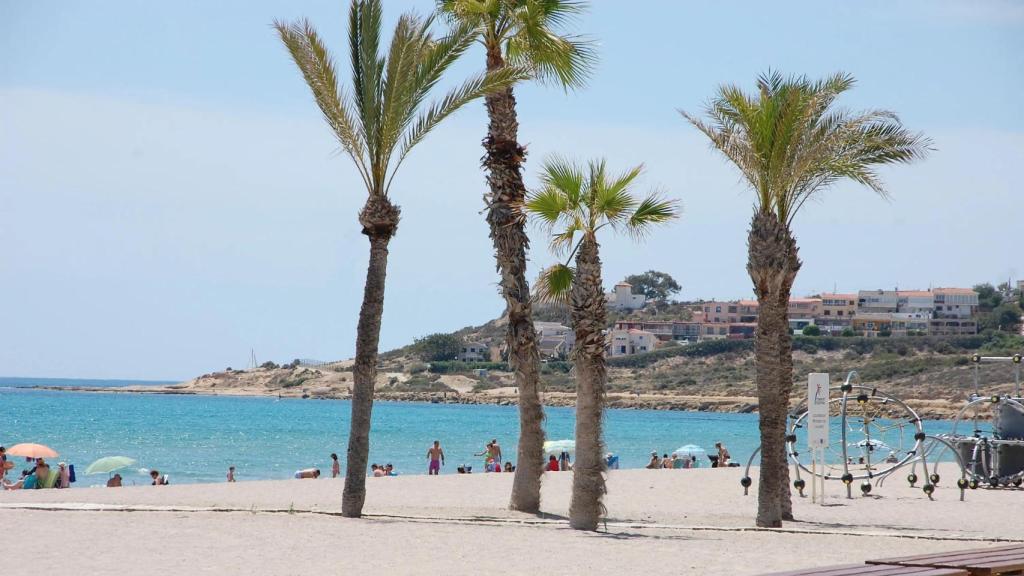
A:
[(169, 197)]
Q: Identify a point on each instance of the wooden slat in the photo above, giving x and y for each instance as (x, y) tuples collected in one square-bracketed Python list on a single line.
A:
[(941, 556), (978, 562), (874, 570)]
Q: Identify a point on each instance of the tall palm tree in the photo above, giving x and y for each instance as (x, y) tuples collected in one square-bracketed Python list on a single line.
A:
[(791, 143), (575, 203), (527, 33), (378, 122)]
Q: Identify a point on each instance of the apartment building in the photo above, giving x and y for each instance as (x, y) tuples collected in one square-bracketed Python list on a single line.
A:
[(837, 311), (664, 330), (954, 302), (939, 312)]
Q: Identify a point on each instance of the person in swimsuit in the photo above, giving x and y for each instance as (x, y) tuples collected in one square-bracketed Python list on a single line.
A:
[(311, 473), (114, 482), (158, 480), (655, 462), (495, 451), (335, 466), (723, 455), (231, 474), (436, 456)]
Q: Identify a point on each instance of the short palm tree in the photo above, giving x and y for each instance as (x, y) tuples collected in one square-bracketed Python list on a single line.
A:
[(575, 203), (519, 32), (378, 122), (791, 143)]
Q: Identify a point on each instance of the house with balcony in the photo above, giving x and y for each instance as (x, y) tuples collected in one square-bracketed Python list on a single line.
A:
[(474, 352), (872, 324), (629, 342), (554, 340)]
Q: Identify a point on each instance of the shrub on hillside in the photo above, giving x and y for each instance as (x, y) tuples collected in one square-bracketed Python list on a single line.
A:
[(455, 366), (812, 330), (437, 347)]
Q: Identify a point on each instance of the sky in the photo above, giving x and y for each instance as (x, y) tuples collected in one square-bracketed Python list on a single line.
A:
[(171, 200)]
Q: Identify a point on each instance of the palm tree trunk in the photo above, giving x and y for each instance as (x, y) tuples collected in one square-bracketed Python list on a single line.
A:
[(772, 264), (588, 318), (508, 233), (379, 219)]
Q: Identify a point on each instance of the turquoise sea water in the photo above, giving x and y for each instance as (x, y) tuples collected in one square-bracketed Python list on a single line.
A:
[(196, 438)]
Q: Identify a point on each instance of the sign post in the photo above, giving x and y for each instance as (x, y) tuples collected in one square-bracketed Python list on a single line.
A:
[(817, 430)]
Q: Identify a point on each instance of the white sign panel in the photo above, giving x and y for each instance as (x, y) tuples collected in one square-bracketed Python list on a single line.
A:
[(817, 411)]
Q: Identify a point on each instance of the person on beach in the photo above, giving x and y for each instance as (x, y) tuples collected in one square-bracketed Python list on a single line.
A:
[(310, 473), (665, 461), (723, 455), (487, 457), (63, 476), (158, 480), (552, 464), (114, 482), (436, 456), (509, 467), (231, 473), (389, 470), (655, 462), (335, 466), (563, 462), (495, 451), (377, 470)]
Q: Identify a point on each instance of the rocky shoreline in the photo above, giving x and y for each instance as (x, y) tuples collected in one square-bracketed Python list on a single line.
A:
[(927, 409)]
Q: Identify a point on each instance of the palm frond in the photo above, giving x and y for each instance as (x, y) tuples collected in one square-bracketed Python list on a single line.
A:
[(548, 206), (456, 98), (317, 68), (651, 211), (554, 285), (790, 141)]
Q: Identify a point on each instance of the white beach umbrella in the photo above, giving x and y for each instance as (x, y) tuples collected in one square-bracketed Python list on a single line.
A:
[(691, 450), (559, 446)]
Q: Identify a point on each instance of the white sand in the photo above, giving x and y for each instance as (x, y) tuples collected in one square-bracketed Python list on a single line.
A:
[(659, 522)]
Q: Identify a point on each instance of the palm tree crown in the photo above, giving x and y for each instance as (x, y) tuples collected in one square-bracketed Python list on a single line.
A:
[(379, 119), (529, 32), (576, 201), (790, 142)]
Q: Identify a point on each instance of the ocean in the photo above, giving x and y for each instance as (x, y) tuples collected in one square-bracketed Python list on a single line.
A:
[(196, 438)]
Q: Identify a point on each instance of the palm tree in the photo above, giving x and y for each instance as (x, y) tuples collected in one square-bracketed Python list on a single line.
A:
[(583, 200), (790, 143), (520, 32), (377, 123)]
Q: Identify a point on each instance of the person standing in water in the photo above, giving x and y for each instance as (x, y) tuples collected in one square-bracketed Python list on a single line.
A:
[(495, 451), (335, 466), (723, 455), (436, 456)]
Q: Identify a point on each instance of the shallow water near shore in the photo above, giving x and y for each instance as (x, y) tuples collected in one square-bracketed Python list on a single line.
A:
[(196, 438)]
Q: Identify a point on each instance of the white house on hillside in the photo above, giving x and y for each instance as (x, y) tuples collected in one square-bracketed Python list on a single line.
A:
[(622, 298), (554, 339), (474, 352), (626, 342)]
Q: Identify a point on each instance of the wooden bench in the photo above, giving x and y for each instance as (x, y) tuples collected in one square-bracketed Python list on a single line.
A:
[(999, 561), (874, 570)]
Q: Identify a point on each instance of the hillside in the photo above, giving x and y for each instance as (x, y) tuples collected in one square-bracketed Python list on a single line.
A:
[(934, 375)]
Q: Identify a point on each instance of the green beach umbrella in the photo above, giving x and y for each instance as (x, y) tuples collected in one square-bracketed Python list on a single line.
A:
[(109, 464)]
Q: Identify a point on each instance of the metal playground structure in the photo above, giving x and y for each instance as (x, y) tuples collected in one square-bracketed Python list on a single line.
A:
[(878, 434)]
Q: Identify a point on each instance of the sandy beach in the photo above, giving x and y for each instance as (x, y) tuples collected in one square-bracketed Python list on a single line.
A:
[(659, 522)]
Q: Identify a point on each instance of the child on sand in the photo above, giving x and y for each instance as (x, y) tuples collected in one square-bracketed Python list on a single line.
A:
[(335, 466)]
